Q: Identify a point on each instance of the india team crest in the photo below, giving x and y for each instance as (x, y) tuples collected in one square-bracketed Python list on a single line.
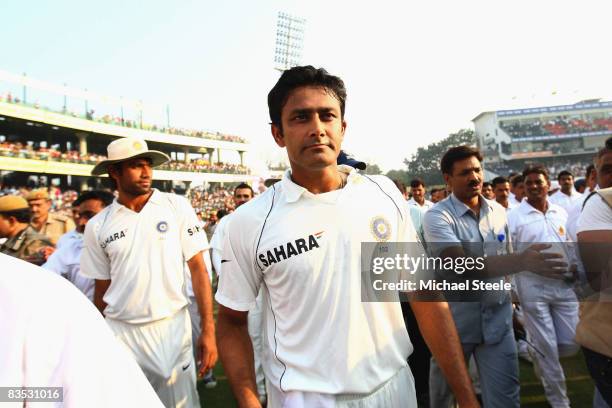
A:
[(381, 228), (162, 227), (137, 145)]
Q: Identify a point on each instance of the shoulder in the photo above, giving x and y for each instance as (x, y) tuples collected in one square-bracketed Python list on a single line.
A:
[(59, 218)]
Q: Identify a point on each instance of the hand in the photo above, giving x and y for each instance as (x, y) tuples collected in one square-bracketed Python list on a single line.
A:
[(542, 263), (46, 252), (207, 351)]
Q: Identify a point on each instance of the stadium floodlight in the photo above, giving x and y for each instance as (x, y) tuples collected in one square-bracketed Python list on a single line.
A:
[(289, 41)]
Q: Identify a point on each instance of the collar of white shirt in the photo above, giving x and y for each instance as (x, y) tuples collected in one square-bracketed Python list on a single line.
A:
[(293, 191)]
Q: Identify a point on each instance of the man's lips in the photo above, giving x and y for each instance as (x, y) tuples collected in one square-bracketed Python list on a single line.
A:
[(316, 146)]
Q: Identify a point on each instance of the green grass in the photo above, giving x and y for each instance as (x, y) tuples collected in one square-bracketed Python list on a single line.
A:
[(579, 386)]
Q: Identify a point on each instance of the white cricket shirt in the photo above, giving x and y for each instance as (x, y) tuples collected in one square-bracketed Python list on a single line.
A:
[(66, 261), (304, 251), (143, 255), (216, 243), (54, 337)]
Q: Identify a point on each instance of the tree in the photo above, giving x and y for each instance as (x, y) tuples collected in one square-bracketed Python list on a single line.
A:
[(372, 169), (425, 163)]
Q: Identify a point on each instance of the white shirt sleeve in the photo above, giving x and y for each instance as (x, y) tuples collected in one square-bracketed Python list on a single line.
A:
[(56, 264), (94, 261), (216, 244), (191, 229), (596, 215), (241, 279)]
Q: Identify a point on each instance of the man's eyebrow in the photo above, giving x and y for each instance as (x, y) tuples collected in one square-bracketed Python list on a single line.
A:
[(311, 110)]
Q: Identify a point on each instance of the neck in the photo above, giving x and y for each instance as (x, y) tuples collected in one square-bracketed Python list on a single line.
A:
[(540, 204), (569, 192), (420, 201), (133, 202), (472, 202), (17, 230), (317, 182), (38, 223), (504, 203)]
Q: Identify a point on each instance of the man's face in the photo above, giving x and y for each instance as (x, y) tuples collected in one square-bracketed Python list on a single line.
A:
[(5, 226), (487, 191), (85, 212), (133, 176), (465, 181), (241, 196), (604, 171), (436, 196), (312, 129), (519, 191), (536, 187), (566, 183), (502, 192), (418, 193), (40, 208)]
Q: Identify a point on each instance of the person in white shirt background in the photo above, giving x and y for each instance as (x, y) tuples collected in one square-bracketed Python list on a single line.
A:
[(501, 189), (550, 307), (66, 260), (417, 190), (517, 190), (136, 249), (567, 196)]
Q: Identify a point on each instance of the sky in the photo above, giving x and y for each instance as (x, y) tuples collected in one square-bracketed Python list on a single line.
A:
[(414, 71)]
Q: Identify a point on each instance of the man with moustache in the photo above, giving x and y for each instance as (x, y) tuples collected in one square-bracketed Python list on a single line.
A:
[(501, 189), (567, 196), (66, 260), (135, 249), (466, 225)]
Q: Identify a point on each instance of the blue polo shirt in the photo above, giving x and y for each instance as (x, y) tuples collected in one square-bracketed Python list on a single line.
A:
[(451, 223)]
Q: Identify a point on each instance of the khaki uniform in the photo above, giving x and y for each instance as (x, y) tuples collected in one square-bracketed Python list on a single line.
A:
[(56, 226), (26, 246)]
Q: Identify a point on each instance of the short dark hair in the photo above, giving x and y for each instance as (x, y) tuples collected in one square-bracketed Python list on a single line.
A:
[(590, 168), (104, 196), (23, 215), (563, 174), (298, 77), (244, 185), (221, 213), (417, 182), (434, 190), (516, 180), (455, 154), (499, 180), (487, 184), (579, 183), (536, 169), (400, 186), (609, 143)]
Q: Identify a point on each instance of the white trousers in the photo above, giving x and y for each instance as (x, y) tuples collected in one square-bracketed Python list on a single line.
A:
[(397, 392), (163, 351), (550, 313)]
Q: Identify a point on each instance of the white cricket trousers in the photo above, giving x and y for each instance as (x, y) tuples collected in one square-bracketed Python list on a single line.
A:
[(163, 351), (550, 314), (397, 392)]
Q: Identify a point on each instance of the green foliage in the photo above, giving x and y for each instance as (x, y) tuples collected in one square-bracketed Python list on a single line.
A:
[(425, 163), (372, 169)]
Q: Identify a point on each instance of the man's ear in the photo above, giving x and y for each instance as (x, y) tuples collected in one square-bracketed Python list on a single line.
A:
[(277, 134), (447, 179)]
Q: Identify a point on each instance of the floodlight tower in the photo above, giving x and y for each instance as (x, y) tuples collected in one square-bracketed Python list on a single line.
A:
[(289, 41)]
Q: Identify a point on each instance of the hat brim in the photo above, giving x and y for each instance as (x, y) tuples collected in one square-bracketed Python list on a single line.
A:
[(157, 158)]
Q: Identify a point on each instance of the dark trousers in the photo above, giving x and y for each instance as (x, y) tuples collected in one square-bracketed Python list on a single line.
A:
[(420, 357), (600, 368)]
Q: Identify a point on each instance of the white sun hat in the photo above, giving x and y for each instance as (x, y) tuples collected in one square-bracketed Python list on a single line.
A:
[(127, 148)]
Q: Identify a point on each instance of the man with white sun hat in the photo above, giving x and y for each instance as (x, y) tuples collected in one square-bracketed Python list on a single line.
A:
[(135, 249)]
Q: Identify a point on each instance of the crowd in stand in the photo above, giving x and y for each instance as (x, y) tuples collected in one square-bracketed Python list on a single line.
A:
[(27, 151), (120, 121), (576, 166), (560, 125)]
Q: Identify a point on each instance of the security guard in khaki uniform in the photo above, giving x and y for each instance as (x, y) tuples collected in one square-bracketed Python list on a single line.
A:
[(51, 225), (22, 240)]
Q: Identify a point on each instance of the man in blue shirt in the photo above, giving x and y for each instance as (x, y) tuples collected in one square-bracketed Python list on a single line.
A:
[(466, 225)]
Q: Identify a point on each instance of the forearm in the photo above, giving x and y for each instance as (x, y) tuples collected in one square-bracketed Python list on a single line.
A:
[(202, 290), (438, 329), (236, 352), (100, 288)]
